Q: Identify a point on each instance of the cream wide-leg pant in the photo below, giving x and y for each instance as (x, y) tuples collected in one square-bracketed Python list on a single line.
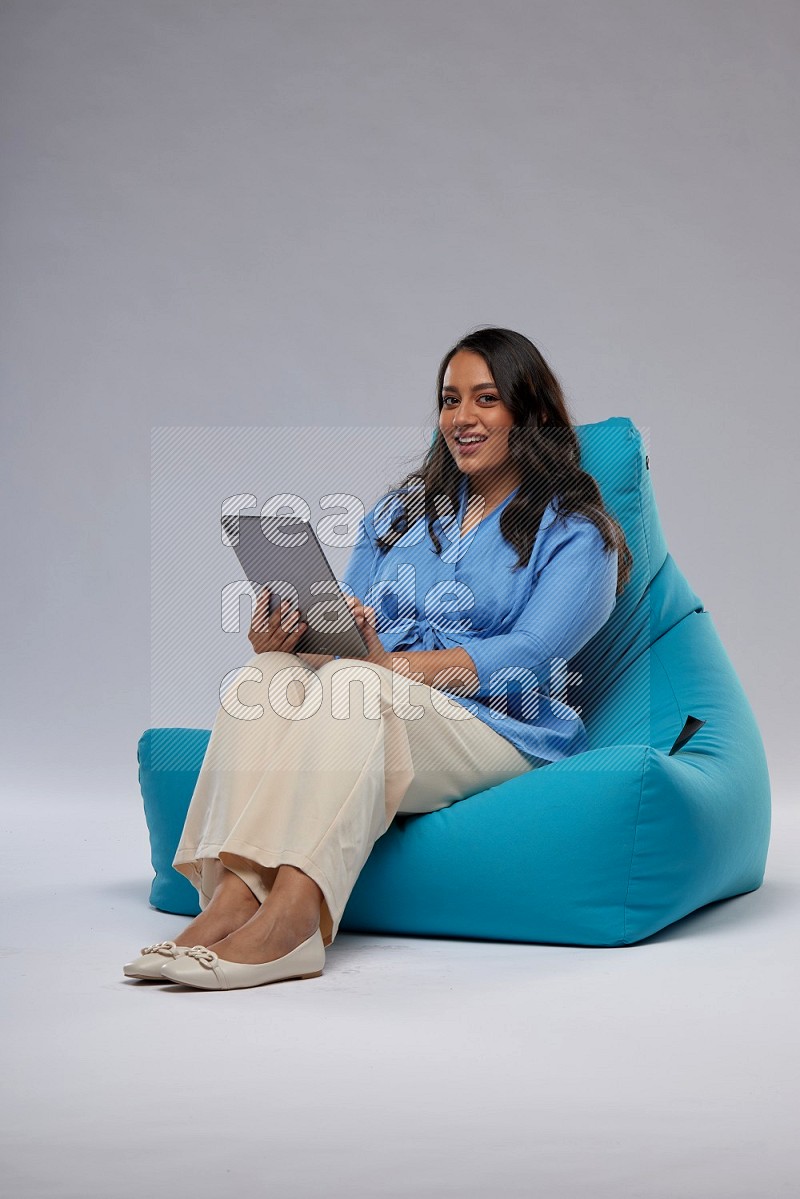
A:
[(310, 766)]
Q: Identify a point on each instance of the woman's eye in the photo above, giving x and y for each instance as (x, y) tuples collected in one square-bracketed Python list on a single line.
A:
[(447, 399)]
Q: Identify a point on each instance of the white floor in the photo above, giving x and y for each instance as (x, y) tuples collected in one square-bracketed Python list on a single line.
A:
[(413, 1066)]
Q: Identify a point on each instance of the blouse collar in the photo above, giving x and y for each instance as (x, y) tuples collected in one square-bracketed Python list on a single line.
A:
[(462, 506)]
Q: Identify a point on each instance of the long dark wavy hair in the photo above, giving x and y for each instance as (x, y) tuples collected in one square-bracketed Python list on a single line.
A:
[(542, 442)]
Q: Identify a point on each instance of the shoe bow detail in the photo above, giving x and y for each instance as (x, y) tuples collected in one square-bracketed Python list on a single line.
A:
[(167, 948), (206, 957)]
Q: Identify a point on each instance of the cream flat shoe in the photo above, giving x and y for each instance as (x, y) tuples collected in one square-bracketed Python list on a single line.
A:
[(203, 968), (153, 958)]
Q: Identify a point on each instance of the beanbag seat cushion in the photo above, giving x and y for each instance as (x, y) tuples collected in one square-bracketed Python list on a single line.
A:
[(668, 810)]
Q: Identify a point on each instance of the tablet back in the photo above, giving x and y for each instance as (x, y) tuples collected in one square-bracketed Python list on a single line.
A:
[(284, 554)]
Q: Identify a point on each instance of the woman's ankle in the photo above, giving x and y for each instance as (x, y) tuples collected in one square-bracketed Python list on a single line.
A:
[(232, 891), (212, 925)]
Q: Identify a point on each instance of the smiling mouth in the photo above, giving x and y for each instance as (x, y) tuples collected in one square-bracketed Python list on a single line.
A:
[(469, 441)]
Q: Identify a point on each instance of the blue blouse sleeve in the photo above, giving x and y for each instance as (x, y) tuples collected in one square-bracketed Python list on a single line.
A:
[(358, 573), (573, 597)]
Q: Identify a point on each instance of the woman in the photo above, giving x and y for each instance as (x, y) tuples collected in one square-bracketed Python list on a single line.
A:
[(485, 581)]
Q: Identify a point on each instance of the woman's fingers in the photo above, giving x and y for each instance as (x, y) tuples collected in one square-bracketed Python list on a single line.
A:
[(354, 604), (262, 617), (360, 613), (280, 629), (261, 609), (292, 619)]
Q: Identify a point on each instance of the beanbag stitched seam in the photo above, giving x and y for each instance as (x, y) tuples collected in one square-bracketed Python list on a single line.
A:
[(645, 763)]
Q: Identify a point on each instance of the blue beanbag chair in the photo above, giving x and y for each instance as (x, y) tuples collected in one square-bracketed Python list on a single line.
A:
[(668, 810)]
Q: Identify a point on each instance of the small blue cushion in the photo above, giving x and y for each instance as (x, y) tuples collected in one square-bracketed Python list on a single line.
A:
[(667, 811)]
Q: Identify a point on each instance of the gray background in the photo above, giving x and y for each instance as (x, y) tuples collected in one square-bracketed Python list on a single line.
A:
[(263, 214), (222, 218)]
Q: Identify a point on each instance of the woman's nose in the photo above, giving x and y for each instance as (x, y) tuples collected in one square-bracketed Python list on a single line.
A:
[(464, 420), (463, 414)]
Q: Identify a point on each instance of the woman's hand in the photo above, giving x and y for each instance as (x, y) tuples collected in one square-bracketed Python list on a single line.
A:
[(365, 619), (267, 632)]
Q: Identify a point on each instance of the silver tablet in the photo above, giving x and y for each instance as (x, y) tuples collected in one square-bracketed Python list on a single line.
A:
[(283, 554)]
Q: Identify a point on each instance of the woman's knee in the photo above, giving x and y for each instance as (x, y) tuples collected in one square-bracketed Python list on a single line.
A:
[(272, 660), (247, 691), (349, 683), (291, 688)]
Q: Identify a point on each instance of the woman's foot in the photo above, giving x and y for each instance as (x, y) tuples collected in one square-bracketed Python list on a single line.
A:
[(257, 941), (289, 917), (232, 905)]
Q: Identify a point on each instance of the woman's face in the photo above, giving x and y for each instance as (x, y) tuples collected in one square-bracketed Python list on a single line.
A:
[(472, 407)]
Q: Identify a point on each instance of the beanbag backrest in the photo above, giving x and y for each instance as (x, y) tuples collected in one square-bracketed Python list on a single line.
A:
[(656, 597)]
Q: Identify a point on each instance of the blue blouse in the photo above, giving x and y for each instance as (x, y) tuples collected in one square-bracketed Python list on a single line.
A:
[(521, 628)]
